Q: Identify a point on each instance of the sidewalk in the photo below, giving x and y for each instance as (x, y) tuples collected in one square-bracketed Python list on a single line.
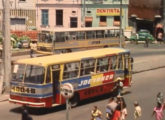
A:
[(4, 97)]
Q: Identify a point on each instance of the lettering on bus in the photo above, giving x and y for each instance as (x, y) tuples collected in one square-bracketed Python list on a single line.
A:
[(93, 91), (23, 89), (100, 79)]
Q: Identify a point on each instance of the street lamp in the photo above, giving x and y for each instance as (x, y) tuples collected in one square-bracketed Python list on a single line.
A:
[(120, 22)]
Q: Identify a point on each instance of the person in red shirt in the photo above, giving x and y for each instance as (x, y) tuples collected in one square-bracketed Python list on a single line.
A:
[(117, 113)]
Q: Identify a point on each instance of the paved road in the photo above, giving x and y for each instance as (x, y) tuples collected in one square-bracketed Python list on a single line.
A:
[(144, 89)]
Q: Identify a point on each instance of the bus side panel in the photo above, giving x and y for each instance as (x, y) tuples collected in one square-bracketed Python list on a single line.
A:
[(30, 101), (127, 82), (96, 91)]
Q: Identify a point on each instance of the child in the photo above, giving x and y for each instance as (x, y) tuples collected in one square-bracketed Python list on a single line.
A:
[(138, 111)]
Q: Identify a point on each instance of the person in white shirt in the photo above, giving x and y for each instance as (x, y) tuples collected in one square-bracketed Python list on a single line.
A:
[(138, 111)]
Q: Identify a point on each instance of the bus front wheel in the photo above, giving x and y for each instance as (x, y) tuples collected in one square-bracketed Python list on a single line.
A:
[(74, 100)]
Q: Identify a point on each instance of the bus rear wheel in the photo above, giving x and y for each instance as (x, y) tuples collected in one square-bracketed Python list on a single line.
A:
[(74, 100)]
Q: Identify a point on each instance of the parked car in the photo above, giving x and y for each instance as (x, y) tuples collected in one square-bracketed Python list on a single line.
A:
[(142, 35)]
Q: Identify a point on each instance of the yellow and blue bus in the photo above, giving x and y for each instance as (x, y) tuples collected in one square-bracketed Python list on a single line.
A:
[(75, 39), (36, 82)]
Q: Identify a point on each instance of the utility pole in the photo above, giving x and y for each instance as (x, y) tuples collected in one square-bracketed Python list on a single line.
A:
[(84, 6), (164, 15), (120, 23), (6, 45)]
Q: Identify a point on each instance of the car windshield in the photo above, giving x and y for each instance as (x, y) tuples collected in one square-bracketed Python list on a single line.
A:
[(29, 73), (143, 31)]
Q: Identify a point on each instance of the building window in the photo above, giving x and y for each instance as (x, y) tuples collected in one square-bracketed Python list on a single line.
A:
[(88, 11), (45, 17), (73, 22), (17, 21), (103, 21), (59, 17), (116, 21), (73, 11)]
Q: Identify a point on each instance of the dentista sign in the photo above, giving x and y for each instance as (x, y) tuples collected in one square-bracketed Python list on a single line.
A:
[(108, 12)]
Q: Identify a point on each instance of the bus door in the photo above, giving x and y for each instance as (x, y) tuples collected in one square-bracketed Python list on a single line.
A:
[(128, 69), (56, 83)]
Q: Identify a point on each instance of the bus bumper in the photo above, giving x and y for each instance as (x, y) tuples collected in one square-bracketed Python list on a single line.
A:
[(30, 104)]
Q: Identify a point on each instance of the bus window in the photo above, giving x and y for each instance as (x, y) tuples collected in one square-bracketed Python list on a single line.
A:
[(18, 72), (100, 34), (34, 74), (48, 78), (120, 62), (81, 35), (41, 37), (71, 70), (113, 62), (60, 36), (87, 66), (45, 37), (117, 33), (102, 64), (112, 33), (107, 33), (72, 36), (90, 35)]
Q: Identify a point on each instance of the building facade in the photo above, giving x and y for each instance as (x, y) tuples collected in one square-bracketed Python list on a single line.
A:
[(23, 14), (97, 13), (58, 14), (80, 13)]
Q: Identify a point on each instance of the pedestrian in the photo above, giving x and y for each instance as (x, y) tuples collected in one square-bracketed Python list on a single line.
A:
[(25, 114), (146, 42), (137, 111), (33, 47), (160, 37), (158, 111), (96, 113), (160, 98), (110, 108), (123, 110), (117, 113), (119, 87)]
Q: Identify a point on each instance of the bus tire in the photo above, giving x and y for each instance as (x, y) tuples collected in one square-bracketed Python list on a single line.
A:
[(74, 100)]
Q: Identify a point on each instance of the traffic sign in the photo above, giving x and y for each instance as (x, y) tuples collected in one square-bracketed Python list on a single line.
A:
[(67, 90)]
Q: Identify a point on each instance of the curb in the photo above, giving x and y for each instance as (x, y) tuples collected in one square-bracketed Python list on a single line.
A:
[(135, 72), (4, 97), (4, 100), (19, 53)]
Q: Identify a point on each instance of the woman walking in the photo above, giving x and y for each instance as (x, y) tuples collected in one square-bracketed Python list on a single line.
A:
[(158, 111)]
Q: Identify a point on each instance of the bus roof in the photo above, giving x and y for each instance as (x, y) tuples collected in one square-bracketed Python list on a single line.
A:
[(79, 29), (70, 57)]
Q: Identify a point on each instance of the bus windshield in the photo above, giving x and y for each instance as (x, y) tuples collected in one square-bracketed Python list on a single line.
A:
[(28, 74)]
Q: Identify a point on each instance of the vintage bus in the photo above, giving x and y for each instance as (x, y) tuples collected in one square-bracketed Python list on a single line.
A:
[(36, 82), (75, 39)]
